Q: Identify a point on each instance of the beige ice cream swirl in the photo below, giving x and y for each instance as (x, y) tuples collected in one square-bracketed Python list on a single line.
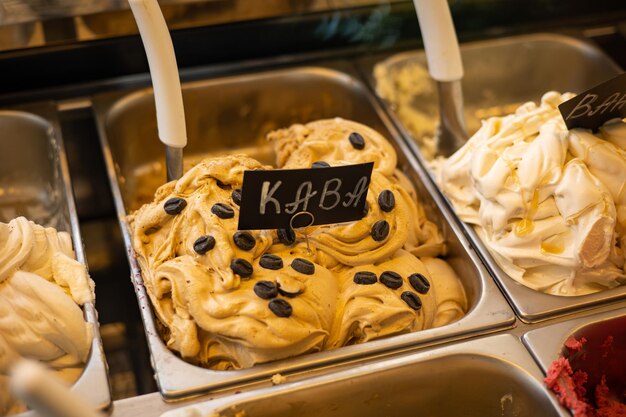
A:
[(548, 202), (392, 221), (277, 313), (227, 303), (203, 292), (332, 141), (380, 299)]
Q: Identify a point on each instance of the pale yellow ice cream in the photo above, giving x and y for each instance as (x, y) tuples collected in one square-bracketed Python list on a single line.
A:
[(41, 289), (549, 203), (231, 304)]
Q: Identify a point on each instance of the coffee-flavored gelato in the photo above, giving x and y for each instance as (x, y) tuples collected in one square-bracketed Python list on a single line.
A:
[(41, 289), (380, 299), (332, 140), (548, 202), (229, 299)]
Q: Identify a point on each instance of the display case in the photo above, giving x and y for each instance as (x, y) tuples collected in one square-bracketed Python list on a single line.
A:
[(248, 68)]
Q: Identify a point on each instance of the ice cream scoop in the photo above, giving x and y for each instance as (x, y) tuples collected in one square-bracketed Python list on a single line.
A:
[(165, 82), (547, 202)]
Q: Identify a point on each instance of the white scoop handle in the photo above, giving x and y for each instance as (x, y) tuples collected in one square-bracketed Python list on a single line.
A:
[(164, 72), (440, 41), (37, 387)]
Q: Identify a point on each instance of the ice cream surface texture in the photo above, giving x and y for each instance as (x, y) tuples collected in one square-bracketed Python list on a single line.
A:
[(42, 288), (548, 202), (230, 299)]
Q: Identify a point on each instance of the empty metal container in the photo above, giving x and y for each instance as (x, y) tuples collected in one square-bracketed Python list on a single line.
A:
[(35, 183), (500, 75), (233, 114), (489, 377)]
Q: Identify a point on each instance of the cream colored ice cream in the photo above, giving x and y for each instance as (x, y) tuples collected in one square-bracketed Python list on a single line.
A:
[(549, 203), (230, 299), (41, 289)]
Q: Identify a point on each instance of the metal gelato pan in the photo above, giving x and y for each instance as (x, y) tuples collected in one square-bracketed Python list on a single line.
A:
[(35, 183), (233, 114), (489, 377), (547, 343), (499, 75)]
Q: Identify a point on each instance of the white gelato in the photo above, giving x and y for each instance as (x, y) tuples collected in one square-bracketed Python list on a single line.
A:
[(549, 203), (41, 289)]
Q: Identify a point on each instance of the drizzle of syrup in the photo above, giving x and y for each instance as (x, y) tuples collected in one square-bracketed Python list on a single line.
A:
[(551, 248), (525, 226)]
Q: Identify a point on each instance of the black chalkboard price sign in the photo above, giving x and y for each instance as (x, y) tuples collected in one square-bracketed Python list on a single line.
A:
[(275, 199), (594, 107)]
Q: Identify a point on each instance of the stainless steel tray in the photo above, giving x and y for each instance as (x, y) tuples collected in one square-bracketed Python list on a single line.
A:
[(498, 73), (233, 113), (546, 343), (35, 179), (488, 377)]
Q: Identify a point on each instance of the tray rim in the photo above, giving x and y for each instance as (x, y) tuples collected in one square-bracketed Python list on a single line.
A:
[(503, 347)]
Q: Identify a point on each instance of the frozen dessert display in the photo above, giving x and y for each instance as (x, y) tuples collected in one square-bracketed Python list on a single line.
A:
[(42, 287), (230, 299), (589, 377), (549, 203)]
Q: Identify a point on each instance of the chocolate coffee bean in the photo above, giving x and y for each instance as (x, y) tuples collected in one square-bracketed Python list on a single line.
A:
[(320, 164), (287, 293), (266, 290), (386, 201), (241, 267), (204, 244), (270, 261), (391, 279), (365, 278), (412, 300), (303, 266), (420, 283), (286, 236), (223, 211), (380, 230), (174, 205), (280, 307), (236, 196), (222, 185), (244, 240), (357, 140)]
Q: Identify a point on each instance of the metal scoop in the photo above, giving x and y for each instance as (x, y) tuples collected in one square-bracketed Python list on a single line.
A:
[(168, 95), (445, 67)]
